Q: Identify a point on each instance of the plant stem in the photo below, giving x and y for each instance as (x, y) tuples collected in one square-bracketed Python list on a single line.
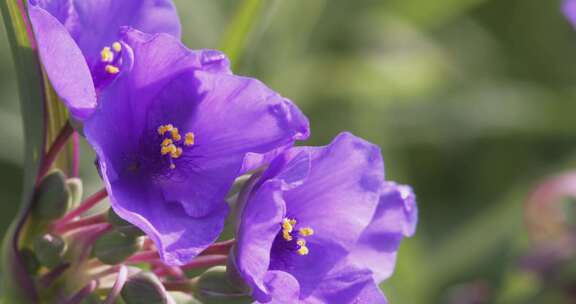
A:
[(84, 206), (57, 145), (206, 261)]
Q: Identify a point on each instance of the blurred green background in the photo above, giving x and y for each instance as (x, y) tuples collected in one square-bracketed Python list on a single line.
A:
[(472, 102)]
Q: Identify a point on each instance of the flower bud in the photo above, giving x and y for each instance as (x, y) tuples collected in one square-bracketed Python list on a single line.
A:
[(144, 288), (29, 261), (52, 198), (49, 250), (214, 287), (76, 189), (123, 226), (115, 246)]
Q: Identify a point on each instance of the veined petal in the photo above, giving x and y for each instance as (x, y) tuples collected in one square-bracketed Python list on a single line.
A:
[(341, 191), (98, 21), (178, 237), (346, 284), (255, 239), (64, 63), (394, 219)]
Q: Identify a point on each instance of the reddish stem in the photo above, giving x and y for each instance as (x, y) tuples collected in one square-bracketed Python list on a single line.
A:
[(144, 257), (84, 206), (87, 221), (206, 261), (83, 293), (56, 147), (219, 248)]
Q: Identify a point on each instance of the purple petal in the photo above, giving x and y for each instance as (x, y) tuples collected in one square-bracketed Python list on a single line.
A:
[(395, 218), (283, 287), (569, 10), (178, 237), (263, 215), (341, 192), (255, 239), (64, 63), (346, 284), (96, 22)]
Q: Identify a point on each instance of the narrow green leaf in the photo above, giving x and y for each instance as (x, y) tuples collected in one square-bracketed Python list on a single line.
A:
[(17, 285), (242, 24)]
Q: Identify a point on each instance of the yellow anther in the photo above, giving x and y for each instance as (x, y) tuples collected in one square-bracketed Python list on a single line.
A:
[(307, 231), (176, 134), (286, 235), (189, 140), (112, 69), (169, 127), (303, 250), (166, 142), (116, 46), (287, 225), (176, 153), (106, 55), (161, 130)]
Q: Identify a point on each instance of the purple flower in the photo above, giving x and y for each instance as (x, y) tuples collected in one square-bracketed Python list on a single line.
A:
[(79, 44), (321, 225), (171, 134), (569, 10)]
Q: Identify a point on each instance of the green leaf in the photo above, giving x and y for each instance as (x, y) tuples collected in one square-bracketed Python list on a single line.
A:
[(242, 24), (17, 285)]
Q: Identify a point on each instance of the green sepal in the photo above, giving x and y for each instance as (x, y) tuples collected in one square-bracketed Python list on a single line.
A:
[(49, 250), (215, 287), (52, 199), (144, 288), (115, 246)]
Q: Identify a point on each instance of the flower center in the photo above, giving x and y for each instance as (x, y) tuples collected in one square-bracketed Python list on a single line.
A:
[(172, 144), (290, 233)]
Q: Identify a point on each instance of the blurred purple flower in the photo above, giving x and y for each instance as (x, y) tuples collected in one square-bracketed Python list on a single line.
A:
[(569, 10), (323, 226), (79, 44), (171, 134)]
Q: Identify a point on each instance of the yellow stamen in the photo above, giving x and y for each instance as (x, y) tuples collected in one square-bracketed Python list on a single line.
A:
[(286, 235), (189, 141), (106, 55), (176, 153), (112, 69), (306, 231), (166, 142), (303, 250), (176, 134), (116, 46)]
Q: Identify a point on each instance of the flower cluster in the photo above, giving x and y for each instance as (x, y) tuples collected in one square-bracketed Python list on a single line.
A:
[(174, 130)]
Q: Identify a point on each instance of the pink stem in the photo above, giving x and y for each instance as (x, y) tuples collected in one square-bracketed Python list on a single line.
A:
[(84, 206), (219, 248), (144, 257), (87, 221), (163, 270), (55, 149), (206, 261), (83, 293), (120, 281)]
